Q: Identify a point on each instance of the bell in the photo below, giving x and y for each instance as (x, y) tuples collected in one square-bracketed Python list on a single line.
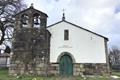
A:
[(36, 21), (24, 22), (24, 19)]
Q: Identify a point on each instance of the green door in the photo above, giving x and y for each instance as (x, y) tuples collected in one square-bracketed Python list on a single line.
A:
[(66, 65)]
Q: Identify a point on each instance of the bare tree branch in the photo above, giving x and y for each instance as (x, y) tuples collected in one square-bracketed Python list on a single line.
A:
[(8, 8), (114, 54)]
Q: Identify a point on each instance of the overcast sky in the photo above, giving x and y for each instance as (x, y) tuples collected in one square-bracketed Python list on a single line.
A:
[(100, 16)]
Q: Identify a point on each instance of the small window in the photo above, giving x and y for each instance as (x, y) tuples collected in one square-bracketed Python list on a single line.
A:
[(66, 34)]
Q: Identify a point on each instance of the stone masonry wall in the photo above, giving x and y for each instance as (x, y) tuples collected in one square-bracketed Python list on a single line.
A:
[(82, 69), (35, 68), (54, 69), (30, 52)]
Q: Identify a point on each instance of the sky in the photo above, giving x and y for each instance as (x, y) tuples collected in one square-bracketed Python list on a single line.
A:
[(100, 16)]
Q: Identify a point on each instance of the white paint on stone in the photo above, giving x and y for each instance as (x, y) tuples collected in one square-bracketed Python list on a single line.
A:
[(85, 46)]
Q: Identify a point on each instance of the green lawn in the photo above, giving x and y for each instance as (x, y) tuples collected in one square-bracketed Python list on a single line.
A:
[(5, 76), (116, 73)]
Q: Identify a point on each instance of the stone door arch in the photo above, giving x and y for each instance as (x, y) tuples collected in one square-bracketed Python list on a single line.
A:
[(65, 64)]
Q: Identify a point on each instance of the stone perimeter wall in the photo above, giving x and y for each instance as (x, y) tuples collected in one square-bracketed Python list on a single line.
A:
[(82, 69)]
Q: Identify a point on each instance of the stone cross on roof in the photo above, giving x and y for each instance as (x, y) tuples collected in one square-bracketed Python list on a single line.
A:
[(31, 5)]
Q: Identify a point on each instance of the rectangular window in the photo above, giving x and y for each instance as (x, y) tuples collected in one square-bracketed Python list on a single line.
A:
[(66, 34)]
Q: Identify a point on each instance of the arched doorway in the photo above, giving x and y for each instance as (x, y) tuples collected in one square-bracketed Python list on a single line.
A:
[(66, 65)]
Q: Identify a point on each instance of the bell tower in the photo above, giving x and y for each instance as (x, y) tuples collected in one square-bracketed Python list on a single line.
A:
[(31, 18), (31, 43)]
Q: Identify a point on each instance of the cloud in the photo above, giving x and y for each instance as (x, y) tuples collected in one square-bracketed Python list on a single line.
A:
[(101, 16)]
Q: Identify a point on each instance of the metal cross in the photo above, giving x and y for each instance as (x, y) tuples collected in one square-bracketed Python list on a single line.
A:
[(63, 10), (63, 18)]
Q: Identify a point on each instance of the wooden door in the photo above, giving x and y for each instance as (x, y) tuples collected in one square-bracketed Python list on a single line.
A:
[(66, 65)]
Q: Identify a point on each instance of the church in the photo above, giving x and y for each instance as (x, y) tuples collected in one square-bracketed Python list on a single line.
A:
[(62, 48)]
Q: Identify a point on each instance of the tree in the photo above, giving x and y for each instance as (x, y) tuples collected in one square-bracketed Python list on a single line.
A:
[(114, 57), (8, 8)]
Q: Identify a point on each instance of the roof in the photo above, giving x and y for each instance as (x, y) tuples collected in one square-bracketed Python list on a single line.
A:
[(32, 8), (77, 27)]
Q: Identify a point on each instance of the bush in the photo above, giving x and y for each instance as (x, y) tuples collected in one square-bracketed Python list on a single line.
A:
[(4, 68), (116, 67)]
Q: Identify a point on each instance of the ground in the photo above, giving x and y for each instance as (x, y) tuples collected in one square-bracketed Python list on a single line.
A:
[(5, 76)]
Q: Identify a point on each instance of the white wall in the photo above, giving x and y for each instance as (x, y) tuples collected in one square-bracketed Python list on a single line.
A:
[(79, 44), (4, 62)]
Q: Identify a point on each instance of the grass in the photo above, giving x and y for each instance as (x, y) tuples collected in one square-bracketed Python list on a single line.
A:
[(117, 73), (5, 76)]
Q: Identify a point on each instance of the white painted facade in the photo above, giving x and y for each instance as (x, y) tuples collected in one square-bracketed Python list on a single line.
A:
[(84, 46), (4, 61)]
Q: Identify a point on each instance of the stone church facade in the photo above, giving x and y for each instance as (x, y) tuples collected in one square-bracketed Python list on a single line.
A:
[(37, 49)]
